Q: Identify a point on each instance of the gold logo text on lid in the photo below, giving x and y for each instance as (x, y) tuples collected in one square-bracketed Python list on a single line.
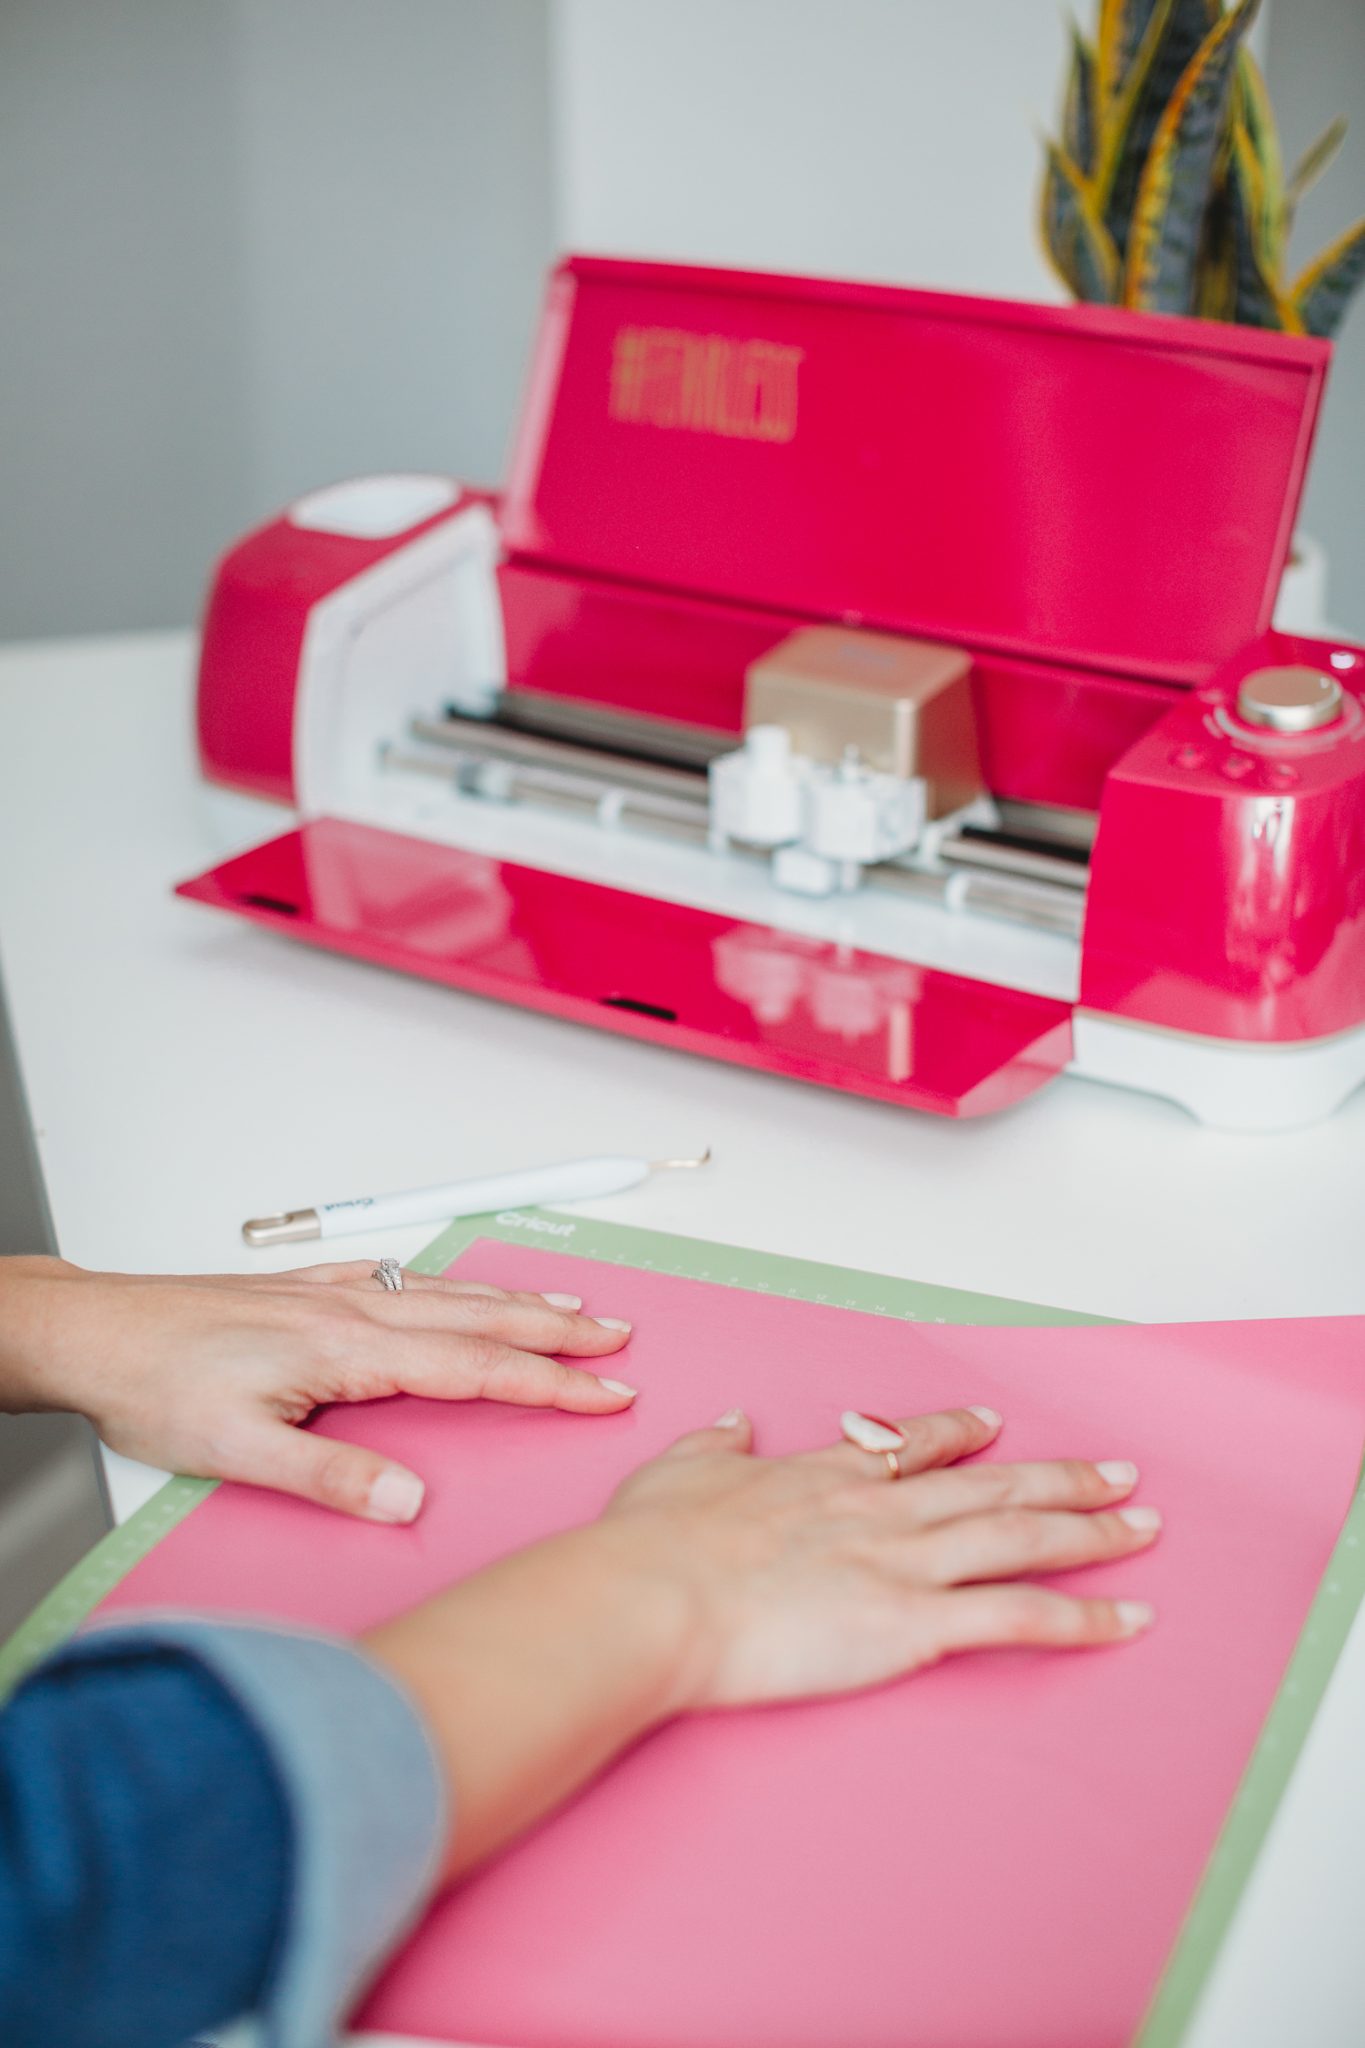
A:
[(706, 383)]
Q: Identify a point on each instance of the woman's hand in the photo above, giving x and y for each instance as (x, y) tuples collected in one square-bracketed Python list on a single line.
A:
[(718, 1579), (818, 1574), (207, 1374)]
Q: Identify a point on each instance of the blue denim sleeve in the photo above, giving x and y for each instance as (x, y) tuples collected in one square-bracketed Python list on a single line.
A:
[(199, 1821)]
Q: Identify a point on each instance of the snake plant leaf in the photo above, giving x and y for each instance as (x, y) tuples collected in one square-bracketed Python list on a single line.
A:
[(1256, 298), (1215, 292), (1175, 31), (1123, 24), (1080, 128), (1312, 164), (1173, 196), (1253, 112), (1074, 236), (1321, 295)]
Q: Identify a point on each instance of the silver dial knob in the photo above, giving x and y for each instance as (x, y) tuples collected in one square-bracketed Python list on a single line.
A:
[(1289, 699)]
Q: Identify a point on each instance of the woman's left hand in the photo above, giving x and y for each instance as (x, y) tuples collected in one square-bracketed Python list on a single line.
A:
[(206, 1374)]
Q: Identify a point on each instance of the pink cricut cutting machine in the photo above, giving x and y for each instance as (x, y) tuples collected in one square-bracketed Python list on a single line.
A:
[(870, 686)]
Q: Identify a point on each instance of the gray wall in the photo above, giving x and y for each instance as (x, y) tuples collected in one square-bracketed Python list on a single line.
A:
[(1316, 69), (888, 139), (52, 1501), (396, 226), (247, 246), (121, 417)]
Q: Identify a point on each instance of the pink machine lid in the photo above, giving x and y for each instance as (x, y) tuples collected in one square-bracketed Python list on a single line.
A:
[(1110, 489)]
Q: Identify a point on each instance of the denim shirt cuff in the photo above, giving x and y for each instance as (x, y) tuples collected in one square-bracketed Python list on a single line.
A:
[(366, 1799)]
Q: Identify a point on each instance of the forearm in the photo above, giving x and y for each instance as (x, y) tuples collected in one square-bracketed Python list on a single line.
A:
[(37, 1302), (533, 1675)]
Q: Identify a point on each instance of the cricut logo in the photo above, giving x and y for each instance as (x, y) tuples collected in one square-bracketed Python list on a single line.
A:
[(744, 390), (541, 1223)]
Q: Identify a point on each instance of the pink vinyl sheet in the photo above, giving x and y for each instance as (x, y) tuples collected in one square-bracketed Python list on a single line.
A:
[(997, 1853)]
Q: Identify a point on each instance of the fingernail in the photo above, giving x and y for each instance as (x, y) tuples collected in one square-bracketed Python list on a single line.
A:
[(563, 1300), (612, 1323), (731, 1419), (396, 1496), (619, 1387), (1134, 1616), (1117, 1472), (869, 1434), (1140, 1518), (988, 1416)]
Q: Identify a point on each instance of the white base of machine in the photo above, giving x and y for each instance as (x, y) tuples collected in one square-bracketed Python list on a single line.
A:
[(1223, 1082)]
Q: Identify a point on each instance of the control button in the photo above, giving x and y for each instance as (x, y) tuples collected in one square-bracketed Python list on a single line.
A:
[(1289, 699), (1283, 776), (1344, 658), (1237, 767), (1188, 757)]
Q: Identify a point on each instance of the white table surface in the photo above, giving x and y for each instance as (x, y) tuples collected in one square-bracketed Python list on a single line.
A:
[(185, 1070)]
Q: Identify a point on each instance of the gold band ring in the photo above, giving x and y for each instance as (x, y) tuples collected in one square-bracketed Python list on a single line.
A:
[(871, 1433)]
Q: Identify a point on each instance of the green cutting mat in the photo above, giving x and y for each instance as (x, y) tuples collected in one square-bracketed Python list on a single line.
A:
[(1287, 1725)]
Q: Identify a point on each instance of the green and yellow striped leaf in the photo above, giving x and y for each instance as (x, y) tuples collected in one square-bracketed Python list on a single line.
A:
[(1123, 24), (1073, 234), (1256, 300), (1080, 123), (1215, 292), (1321, 295), (1174, 33), (1253, 111), (1312, 164), (1173, 195)]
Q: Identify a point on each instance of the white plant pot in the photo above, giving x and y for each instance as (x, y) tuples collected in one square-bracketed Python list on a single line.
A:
[(1301, 606)]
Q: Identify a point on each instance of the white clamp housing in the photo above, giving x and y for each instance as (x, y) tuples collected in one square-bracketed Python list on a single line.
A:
[(852, 813), (824, 825), (804, 873), (756, 792)]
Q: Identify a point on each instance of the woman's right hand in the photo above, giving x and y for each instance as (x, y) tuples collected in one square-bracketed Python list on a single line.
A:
[(716, 1578), (817, 1574)]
